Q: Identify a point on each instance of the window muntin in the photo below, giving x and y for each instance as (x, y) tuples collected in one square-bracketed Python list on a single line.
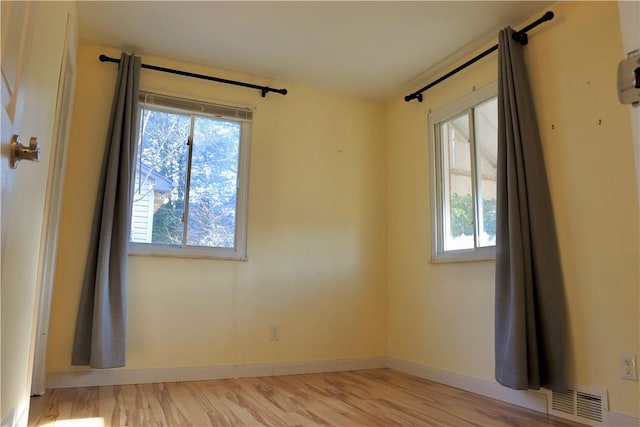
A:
[(190, 183), (464, 155)]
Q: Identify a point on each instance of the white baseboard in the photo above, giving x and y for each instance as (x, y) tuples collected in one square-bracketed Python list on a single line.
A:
[(7, 420), (528, 399), (22, 419), (619, 420), (11, 420), (91, 378)]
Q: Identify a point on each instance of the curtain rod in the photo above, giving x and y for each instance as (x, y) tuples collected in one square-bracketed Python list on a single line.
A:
[(520, 36), (264, 89)]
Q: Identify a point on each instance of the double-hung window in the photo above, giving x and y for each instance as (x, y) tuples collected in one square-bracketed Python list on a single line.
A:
[(464, 157), (190, 179)]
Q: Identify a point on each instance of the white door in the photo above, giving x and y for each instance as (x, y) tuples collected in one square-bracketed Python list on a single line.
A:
[(32, 46)]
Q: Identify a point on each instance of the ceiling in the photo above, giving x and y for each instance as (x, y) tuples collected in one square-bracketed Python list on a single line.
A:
[(371, 49)]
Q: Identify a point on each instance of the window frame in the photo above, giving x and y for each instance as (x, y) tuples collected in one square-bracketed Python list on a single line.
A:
[(221, 110), (435, 118)]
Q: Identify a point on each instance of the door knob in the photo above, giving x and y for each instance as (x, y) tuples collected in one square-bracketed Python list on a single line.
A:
[(20, 152)]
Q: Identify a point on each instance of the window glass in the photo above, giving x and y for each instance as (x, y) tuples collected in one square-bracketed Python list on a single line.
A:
[(214, 175), (486, 130), (457, 184), (160, 178)]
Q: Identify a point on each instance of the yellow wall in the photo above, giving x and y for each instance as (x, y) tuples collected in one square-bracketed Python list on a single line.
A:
[(441, 315), (339, 214), (316, 234)]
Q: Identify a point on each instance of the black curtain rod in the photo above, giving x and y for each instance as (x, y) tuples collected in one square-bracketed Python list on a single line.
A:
[(520, 36), (264, 89)]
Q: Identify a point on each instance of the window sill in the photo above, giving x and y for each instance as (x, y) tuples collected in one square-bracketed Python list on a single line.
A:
[(484, 254), (193, 253)]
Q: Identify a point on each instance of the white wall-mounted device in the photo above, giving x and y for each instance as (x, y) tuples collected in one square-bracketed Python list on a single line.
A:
[(629, 79)]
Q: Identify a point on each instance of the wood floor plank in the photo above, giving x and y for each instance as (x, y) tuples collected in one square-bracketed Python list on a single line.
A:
[(111, 406), (218, 410), (377, 397)]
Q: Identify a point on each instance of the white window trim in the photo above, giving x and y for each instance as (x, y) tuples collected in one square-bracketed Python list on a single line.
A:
[(455, 108), (239, 251)]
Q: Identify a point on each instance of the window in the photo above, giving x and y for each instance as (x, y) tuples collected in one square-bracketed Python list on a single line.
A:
[(191, 177), (464, 157)]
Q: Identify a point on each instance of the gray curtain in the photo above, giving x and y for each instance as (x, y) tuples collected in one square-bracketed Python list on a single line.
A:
[(530, 318), (100, 326)]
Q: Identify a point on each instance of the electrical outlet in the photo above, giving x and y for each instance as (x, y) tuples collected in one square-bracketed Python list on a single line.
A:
[(275, 332), (628, 367)]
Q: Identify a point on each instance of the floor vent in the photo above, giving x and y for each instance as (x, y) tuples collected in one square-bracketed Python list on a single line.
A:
[(586, 406)]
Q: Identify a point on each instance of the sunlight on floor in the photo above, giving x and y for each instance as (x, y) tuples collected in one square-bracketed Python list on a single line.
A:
[(80, 422)]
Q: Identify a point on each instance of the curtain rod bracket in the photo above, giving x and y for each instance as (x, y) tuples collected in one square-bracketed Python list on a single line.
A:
[(417, 96), (521, 38)]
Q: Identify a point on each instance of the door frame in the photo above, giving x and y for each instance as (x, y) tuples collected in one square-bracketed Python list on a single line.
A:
[(630, 31), (53, 210)]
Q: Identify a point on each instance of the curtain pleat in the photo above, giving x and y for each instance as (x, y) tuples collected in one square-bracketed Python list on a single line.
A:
[(101, 322), (530, 309)]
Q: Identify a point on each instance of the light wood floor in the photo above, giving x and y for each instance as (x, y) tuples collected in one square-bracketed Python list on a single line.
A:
[(379, 397)]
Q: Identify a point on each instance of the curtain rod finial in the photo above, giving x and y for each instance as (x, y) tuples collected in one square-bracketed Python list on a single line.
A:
[(549, 16)]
